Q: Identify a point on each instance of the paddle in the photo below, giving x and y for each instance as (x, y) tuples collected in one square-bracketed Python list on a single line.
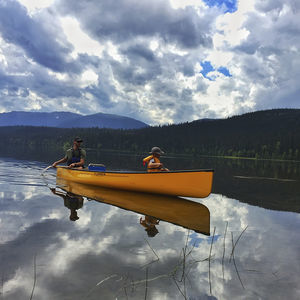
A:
[(44, 170)]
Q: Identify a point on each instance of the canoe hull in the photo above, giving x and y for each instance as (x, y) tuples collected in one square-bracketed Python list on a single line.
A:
[(195, 183)]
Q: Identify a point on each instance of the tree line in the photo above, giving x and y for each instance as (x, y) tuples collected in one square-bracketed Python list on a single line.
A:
[(271, 134)]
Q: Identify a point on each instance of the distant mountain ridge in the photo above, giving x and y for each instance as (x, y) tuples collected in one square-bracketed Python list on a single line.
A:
[(69, 120)]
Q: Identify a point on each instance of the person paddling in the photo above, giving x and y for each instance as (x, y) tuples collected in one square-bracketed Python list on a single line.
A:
[(153, 161), (74, 157), (72, 201)]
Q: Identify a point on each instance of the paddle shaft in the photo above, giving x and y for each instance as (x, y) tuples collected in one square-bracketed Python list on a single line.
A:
[(44, 170)]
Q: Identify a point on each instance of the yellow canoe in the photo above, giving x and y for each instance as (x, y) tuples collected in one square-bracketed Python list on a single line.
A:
[(175, 210), (194, 183)]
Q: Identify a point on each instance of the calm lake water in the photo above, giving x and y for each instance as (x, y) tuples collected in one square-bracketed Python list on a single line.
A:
[(251, 249)]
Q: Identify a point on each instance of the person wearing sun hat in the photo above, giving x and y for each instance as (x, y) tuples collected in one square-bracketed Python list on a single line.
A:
[(149, 223), (153, 161), (75, 156)]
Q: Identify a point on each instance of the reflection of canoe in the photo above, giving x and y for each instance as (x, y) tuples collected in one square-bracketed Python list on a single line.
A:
[(195, 183), (183, 212)]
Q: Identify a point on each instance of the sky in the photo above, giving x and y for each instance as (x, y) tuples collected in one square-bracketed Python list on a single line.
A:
[(159, 61)]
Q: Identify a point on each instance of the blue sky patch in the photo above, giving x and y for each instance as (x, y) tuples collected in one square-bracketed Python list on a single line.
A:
[(207, 67), (231, 5), (196, 239), (224, 71)]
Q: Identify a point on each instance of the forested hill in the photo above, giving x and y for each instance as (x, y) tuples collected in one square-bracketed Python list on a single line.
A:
[(262, 134), (68, 120)]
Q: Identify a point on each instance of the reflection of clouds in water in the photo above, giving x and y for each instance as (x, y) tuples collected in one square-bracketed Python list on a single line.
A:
[(85, 216), (73, 257), (225, 210), (19, 284), (30, 210), (22, 205), (70, 250), (265, 250), (54, 214)]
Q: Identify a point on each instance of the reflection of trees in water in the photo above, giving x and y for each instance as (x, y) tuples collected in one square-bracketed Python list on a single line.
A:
[(272, 185), (276, 169)]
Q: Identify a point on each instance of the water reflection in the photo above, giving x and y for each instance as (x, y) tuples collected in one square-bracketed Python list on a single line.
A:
[(175, 210), (106, 254), (71, 201), (150, 225), (259, 187)]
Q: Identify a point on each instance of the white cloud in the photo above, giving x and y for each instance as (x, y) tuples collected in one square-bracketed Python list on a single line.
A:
[(145, 62), (182, 4), (80, 40), (88, 77), (35, 5)]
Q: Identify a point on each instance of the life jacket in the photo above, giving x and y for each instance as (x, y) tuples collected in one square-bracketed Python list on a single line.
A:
[(147, 160), (74, 158), (72, 201)]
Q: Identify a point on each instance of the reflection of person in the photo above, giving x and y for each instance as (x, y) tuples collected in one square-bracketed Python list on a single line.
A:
[(153, 162), (71, 201), (74, 157), (149, 224)]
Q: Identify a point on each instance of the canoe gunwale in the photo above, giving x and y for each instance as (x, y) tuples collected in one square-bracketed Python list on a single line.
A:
[(139, 172)]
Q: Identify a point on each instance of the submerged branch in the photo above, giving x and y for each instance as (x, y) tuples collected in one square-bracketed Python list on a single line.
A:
[(179, 289), (146, 287), (184, 258), (153, 261), (224, 249), (99, 283), (34, 276), (236, 269), (2, 287), (209, 258), (235, 244)]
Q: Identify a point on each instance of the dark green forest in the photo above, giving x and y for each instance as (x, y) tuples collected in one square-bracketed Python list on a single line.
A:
[(270, 134)]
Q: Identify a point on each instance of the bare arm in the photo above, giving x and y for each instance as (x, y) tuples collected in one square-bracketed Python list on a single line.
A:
[(78, 164), (59, 162), (58, 193), (154, 165), (160, 166)]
